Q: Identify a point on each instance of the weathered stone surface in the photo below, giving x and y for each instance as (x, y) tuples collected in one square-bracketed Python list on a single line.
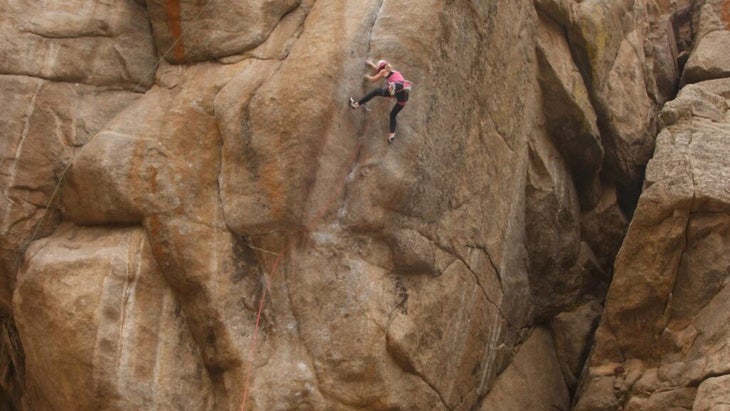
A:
[(270, 188), (162, 173), (203, 30), (628, 76), (597, 395), (603, 228), (711, 15), (572, 334), (662, 51), (85, 41), (668, 299), (562, 269), (670, 400), (713, 394), (402, 276), (696, 100), (515, 388), (120, 174), (40, 137), (710, 59), (419, 340), (561, 11), (569, 113), (94, 311), (683, 186)]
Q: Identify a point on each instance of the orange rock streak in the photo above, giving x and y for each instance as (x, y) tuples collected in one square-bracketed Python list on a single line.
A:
[(173, 21)]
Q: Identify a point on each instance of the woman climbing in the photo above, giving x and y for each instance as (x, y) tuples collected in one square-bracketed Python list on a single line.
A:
[(397, 87)]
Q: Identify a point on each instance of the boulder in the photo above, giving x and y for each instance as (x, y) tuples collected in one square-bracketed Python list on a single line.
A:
[(253, 194), (162, 173), (713, 394), (572, 333), (628, 77), (571, 120), (41, 138), (91, 42), (667, 298), (189, 31), (516, 387), (709, 60), (93, 311)]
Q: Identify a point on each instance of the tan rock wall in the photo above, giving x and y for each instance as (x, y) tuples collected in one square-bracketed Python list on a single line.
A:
[(417, 275), (660, 336), (84, 41), (116, 327), (186, 30), (661, 331)]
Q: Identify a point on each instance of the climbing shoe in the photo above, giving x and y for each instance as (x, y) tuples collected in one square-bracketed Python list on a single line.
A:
[(354, 104)]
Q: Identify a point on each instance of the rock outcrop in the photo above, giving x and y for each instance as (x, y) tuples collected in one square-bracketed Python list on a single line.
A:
[(193, 218), (663, 338)]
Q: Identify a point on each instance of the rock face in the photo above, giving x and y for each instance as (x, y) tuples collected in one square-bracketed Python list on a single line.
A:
[(663, 338), (127, 340), (193, 218)]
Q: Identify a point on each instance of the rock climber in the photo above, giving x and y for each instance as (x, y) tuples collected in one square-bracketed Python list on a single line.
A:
[(397, 87)]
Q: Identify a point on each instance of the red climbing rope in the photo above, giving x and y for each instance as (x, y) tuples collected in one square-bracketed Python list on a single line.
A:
[(256, 328)]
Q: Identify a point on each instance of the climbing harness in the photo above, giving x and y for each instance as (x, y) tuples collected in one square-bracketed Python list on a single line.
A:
[(392, 88)]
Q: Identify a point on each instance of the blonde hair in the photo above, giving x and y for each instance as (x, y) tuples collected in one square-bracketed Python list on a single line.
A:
[(387, 65)]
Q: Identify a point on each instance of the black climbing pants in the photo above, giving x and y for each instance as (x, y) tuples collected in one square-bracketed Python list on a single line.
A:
[(401, 97)]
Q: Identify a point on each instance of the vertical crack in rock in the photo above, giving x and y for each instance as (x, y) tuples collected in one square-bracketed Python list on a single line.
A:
[(372, 28), (414, 371), (298, 33), (367, 53), (479, 283), (491, 263)]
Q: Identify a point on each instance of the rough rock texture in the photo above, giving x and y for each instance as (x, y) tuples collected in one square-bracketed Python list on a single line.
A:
[(608, 42), (91, 42), (663, 338), (203, 30), (713, 394), (572, 334), (42, 137), (667, 303), (100, 294), (195, 219), (571, 119), (515, 389)]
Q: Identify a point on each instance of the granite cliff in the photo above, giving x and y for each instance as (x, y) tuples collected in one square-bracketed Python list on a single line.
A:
[(194, 219)]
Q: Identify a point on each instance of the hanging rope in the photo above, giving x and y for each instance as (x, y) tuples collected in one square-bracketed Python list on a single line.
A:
[(252, 347), (315, 220)]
